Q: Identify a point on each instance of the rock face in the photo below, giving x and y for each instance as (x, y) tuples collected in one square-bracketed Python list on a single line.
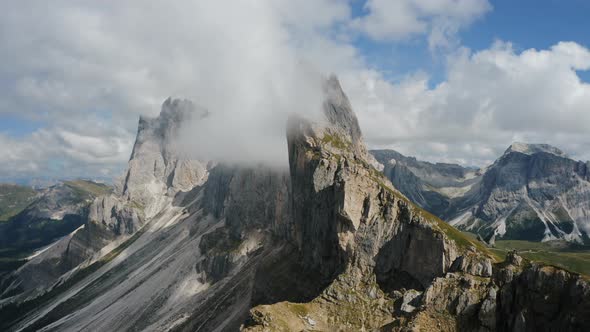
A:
[(155, 166), (538, 195), (116, 216), (376, 249), (533, 192), (536, 298), (339, 201), (327, 245)]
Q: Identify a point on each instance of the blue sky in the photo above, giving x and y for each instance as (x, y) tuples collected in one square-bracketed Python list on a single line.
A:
[(525, 23), (16, 126), (531, 24), (443, 80)]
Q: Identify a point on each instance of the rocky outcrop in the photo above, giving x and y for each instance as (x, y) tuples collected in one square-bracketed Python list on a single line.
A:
[(355, 229), (392, 266), (338, 112), (472, 264), (471, 301), (535, 297), (156, 168), (116, 216)]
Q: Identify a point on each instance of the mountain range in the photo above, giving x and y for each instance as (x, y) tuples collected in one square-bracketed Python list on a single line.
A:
[(532, 192), (328, 244)]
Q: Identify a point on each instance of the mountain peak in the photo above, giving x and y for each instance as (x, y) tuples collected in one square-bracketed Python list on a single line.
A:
[(156, 167), (173, 112), (338, 110), (176, 107), (531, 149)]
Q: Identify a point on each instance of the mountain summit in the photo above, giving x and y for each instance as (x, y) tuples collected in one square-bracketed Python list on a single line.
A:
[(531, 149)]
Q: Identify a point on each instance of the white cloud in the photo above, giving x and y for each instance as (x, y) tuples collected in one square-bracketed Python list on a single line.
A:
[(87, 70), (490, 99), (72, 64), (61, 153), (387, 20)]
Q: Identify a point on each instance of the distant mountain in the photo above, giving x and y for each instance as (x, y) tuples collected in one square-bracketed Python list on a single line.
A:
[(38, 217), (532, 192), (431, 185), (48, 181), (13, 199)]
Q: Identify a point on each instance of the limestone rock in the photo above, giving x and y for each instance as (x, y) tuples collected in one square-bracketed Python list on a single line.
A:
[(410, 301), (544, 298), (155, 166), (472, 264), (115, 215)]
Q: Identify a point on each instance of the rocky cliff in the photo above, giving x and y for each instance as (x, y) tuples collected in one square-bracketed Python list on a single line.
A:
[(357, 231)]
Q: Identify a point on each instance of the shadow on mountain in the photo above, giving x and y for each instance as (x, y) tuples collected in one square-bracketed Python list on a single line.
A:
[(270, 276), (389, 278)]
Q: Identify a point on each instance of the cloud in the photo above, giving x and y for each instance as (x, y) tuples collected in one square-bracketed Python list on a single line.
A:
[(490, 99), (387, 20), (87, 71), (73, 65), (61, 154)]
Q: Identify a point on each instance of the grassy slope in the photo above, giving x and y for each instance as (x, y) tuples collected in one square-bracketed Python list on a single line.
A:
[(88, 188), (13, 199), (575, 259), (557, 253)]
